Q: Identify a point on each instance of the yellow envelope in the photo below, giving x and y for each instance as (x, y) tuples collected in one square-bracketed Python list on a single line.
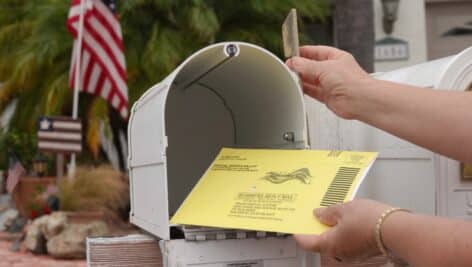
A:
[(273, 190)]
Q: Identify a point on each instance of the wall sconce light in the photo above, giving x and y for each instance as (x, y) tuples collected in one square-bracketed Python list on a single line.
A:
[(390, 10)]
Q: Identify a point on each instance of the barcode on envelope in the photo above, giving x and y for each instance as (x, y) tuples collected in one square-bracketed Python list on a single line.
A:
[(340, 186)]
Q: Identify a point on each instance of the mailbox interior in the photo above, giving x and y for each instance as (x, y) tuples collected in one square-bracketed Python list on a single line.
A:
[(248, 100), (215, 99)]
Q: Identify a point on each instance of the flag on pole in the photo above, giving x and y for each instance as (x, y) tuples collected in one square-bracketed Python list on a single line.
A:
[(59, 134), (102, 65), (14, 173)]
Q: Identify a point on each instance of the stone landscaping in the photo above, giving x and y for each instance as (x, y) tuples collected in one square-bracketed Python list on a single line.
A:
[(55, 235)]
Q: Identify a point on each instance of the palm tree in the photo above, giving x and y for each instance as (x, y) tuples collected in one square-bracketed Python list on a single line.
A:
[(35, 48)]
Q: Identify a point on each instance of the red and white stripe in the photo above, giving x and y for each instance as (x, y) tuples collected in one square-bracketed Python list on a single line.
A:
[(103, 68), (64, 135), (14, 174)]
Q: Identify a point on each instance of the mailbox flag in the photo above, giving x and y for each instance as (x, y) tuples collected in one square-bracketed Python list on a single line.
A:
[(102, 65)]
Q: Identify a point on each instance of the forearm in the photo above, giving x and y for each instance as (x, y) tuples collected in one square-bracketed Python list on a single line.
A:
[(428, 241), (437, 120)]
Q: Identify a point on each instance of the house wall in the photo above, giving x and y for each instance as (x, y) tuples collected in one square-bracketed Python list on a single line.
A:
[(443, 18), (410, 27)]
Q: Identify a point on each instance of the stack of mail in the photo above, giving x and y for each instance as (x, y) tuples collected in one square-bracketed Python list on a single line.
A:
[(195, 233)]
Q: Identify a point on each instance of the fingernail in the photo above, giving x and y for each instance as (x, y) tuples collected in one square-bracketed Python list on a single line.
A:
[(295, 60)]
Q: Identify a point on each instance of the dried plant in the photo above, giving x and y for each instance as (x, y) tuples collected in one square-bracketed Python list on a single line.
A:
[(94, 189)]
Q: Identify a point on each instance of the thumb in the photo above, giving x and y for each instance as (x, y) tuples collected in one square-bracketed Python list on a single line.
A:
[(314, 243), (308, 69), (329, 215)]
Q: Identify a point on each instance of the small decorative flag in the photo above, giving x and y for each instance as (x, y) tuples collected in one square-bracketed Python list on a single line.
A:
[(59, 134), (14, 173)]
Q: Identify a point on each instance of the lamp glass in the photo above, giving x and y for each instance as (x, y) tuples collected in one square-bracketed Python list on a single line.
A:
[(390, 7)]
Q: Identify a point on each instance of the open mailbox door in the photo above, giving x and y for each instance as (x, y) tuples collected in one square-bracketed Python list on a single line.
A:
[(228, 94)]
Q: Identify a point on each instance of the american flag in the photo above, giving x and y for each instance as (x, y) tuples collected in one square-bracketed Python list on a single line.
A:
[(102, 68), (14, 173), (59, 134)]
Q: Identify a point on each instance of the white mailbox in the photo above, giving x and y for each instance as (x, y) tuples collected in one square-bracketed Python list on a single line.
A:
[(229, 94)]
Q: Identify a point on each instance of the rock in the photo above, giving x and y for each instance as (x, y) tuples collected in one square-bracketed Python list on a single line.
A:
[(35, 240), (70, 243), (17, 225), (6, 218), (56, 222), (3, 207), (43, 229)]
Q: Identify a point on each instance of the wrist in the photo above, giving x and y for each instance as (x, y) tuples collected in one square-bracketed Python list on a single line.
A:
[(390, 231), (363, 99)]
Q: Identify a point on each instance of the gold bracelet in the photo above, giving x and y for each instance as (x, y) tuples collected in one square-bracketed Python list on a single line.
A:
[(378, 233)]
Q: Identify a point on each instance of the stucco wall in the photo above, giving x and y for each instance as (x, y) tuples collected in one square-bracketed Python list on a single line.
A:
[(410, 27)]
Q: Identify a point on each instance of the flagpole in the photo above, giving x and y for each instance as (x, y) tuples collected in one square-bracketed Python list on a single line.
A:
[(77, 80)]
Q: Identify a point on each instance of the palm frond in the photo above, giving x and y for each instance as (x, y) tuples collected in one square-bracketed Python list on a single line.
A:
[(35, 47), (203, 22)]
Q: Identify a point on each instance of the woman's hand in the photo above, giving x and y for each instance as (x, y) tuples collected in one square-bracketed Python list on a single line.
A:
[(352, 236), (331, 76)]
